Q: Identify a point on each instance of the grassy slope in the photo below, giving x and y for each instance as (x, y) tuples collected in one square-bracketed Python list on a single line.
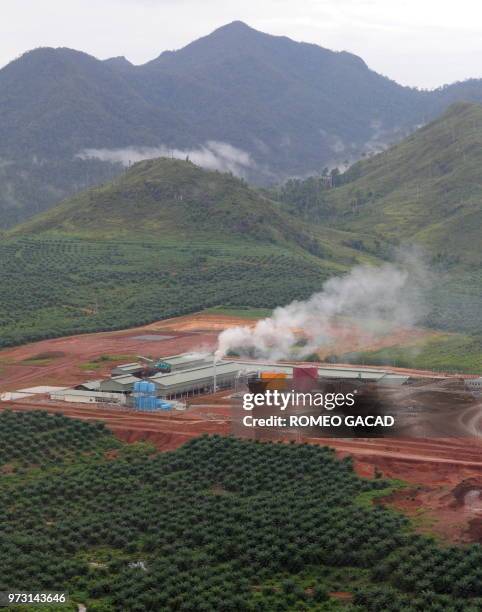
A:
[(444, 353), (164, 197), (177, 201), (427, 189), (166, 238)]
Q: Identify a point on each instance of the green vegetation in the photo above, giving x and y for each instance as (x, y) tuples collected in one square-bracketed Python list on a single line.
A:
[(58, 102), (241, 311), (219, 524), (66, 286), (290, 107), (165, 239), (168, 238), (367, 498), (443, 353), (36, 438), (426, 189)]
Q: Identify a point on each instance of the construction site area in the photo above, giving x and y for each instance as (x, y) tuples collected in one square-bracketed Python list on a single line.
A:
[(159, 384)]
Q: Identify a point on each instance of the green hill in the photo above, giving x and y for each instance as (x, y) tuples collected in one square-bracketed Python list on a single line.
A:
[(168, 238), (165, 238), (169, 198), (426, 189)]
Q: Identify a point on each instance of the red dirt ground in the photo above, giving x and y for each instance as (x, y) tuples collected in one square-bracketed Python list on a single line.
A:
[(66, 355), (60, 358), (435, 469)]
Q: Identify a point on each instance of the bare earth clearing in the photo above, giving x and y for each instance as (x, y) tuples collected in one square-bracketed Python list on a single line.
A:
[(444, 475)]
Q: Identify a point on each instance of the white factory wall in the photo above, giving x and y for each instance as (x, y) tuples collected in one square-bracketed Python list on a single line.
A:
[(89, 398)]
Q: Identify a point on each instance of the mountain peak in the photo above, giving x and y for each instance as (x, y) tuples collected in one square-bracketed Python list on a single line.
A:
[(237, 28), (230, 39), (236, 25), (120, 61)]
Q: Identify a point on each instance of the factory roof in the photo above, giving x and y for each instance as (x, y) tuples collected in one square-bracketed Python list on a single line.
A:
[(125, 379), (128, 367), (185, 358), (327, 372), (194, 374), (393, 379), (91, 385)]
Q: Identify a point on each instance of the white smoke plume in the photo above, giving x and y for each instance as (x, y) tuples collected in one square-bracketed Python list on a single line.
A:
[(375, 299), (212, 155)]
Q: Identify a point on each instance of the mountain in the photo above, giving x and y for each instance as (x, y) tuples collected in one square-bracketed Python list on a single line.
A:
[(426, 189), (54, 103), (164, 238), (262, 106)]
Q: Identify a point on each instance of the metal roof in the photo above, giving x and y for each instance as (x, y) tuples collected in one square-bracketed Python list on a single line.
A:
[(92, 384), (185, 358), (124, 379), (194, 374), (325, 372), (128, 367)]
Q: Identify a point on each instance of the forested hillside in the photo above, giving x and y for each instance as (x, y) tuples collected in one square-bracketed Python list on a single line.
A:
[(165, 238), (425, 191), (264, 106), (168, 238)]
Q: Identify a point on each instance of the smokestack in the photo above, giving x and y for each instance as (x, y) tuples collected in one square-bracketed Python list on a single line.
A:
[(214, 374)]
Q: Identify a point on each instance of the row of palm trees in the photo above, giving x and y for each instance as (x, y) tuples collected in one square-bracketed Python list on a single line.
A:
[(218, 525)]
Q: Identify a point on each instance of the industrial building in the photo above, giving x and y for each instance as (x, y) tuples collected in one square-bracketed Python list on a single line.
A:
[(132, 369), (89, 385), (173, 363), (119, 384), (196, 380), (88, 397), (188, 361), (190, 374), (363, 374)]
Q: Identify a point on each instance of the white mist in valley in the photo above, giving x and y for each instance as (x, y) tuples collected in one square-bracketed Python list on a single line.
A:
[(212, 155), (377, 300)]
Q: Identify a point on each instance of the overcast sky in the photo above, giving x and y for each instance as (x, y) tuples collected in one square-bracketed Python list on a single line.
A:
[(424, 43)]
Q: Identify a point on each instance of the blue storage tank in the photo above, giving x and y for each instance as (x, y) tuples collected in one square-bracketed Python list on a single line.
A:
[(145, 397)]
